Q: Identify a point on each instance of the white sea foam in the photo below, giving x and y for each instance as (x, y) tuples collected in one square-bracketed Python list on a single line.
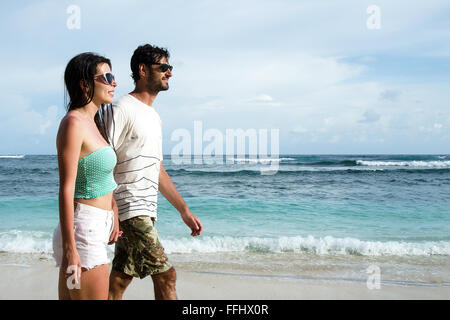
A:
[(261, 160), (426, 164), (25, 241), (310, 244), (12, 157), (40, 242), (290, 169)]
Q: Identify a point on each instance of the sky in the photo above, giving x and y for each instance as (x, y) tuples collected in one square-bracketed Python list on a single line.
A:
[(333, 77)]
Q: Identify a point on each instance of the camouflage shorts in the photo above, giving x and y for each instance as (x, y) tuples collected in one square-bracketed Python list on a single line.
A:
[(138, 251)]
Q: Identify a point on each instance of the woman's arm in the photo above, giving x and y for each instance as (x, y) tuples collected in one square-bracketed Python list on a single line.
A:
[(68, 142)]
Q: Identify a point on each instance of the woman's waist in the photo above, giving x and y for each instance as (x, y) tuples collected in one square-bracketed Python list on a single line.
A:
[(101, 204)]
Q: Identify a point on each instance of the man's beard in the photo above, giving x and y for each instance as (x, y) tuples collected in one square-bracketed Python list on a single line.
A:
[(157, 85)]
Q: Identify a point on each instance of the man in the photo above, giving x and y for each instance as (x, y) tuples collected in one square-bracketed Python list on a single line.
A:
[(134, 128)]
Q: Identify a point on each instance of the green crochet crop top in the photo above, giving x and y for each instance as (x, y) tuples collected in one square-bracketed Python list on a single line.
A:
[(95, 176)]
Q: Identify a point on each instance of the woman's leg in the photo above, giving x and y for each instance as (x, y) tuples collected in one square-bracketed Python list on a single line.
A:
[(94, 284)]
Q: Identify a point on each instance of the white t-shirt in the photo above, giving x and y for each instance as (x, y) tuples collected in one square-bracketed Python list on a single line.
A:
[(136, 136)]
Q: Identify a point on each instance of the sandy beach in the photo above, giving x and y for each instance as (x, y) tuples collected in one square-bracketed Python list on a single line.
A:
[(38, 280)]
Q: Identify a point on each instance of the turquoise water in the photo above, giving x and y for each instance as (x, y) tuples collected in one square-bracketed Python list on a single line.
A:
[(325, 216), (347, 204)]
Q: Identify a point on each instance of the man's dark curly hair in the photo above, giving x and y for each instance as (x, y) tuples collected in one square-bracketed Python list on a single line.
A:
[(148, 55)]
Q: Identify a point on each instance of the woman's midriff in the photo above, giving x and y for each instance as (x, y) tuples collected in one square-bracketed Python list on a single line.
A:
[(103, 202)]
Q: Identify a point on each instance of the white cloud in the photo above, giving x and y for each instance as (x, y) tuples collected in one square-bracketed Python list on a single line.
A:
[(28, 121), (262, 98), (32, 78), (335, 139), (299, 129), (370, 116), (390, 95), (368, 59), (241, 73), (253, 64)]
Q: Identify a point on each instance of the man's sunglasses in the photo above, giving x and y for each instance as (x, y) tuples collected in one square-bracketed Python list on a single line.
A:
[(163, 67), (106, 78)]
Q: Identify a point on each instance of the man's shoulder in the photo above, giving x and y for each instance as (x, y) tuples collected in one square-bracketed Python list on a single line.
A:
[(123, 102), (125, 107)]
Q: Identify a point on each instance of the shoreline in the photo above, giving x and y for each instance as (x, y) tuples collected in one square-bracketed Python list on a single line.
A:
[(325, 279), (38, 281)]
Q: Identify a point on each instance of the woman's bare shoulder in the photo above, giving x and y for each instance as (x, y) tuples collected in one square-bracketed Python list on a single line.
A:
[(71, 126)]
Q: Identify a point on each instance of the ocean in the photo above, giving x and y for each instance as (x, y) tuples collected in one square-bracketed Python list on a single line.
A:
[(318, 216)]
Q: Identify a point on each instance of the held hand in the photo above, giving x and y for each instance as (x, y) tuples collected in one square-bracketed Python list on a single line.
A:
[(116, 233), (192, 222)]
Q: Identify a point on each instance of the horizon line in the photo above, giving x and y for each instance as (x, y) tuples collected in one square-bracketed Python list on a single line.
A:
[(253, 155)]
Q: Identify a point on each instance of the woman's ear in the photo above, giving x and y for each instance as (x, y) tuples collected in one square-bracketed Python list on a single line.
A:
[(84, 86)]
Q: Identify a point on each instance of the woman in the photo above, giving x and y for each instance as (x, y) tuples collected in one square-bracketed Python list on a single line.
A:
[(87, 211)]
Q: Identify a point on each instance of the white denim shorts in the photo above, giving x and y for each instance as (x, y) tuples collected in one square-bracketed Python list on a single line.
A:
[(92, 228)]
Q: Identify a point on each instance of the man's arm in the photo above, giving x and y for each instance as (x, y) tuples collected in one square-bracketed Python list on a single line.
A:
[(168, 190)]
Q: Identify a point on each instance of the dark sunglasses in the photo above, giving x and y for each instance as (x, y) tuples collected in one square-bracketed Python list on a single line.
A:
[(163, 67), (106, 78)]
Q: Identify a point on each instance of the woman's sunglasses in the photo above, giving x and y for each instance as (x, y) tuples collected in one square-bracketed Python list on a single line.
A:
[(106, 78), (163, 67)]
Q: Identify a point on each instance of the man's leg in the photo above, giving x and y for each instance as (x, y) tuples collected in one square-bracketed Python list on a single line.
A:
[(139, 253), (118, 282), (164, 285)]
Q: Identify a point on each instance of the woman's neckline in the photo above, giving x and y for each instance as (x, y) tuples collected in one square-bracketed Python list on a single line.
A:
[(94, 152)]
